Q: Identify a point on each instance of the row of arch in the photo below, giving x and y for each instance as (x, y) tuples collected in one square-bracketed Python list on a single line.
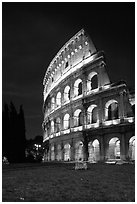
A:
[(113, 151), (73, 47), (78, 121), (92, 116), (92, 83)]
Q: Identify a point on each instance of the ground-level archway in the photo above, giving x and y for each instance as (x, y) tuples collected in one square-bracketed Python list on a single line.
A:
[(94, 151), (132, 148), (114, 148), (59, 153), (67, 152), (52, 153), (79, 151)]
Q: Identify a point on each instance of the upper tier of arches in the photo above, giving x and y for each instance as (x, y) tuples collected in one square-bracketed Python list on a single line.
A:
[(79, 47)]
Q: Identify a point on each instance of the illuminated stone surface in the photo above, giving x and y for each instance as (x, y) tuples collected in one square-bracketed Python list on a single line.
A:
[(85, 116)]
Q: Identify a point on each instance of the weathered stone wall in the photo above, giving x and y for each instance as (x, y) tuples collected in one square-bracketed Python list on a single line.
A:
[(86, 133)]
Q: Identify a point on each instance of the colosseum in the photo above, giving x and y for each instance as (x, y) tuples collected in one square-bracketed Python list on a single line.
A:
[(86, 117)]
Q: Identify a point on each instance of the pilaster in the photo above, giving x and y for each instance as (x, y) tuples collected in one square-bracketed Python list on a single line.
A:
[(121, 107), (122, 148), (102, 149)]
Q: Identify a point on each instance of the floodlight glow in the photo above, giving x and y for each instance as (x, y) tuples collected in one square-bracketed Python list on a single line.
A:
[(112, 122), (130, 120), (45, 139), (86, 43), (69, 71), (106, 87), (107, 123), (115, 122), (57, 134), (51, 136), (80, 47), (93, 125), (66, 131), (75, 129)]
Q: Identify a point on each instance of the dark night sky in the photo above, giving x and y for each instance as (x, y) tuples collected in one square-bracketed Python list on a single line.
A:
[(32, 34)]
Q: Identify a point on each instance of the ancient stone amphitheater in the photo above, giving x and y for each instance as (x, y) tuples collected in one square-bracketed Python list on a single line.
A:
[(86, 117)]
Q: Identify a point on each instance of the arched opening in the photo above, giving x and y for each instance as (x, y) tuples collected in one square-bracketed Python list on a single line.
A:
[(92, 81), (66, 94), (92, 114), (52, 153), (47, 104), (79, 151), (52, 103), (66, 65), (94, 151), (52, 126), (114, 148), (66, 121), (133, 109), (67, 152), (58, 124), (77, 118), (111, 110), (80, 120), (59, 152), (48, 126), (58, 99), (69, 94), (78, 87), (132, 148)]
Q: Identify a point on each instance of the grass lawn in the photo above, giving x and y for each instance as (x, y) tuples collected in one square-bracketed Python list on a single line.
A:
[(60, 182)]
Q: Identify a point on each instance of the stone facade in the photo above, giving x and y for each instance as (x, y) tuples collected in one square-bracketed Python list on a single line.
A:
[(86, 117)]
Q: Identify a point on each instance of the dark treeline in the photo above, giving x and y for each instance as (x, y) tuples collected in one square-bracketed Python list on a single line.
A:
[(13, 133)]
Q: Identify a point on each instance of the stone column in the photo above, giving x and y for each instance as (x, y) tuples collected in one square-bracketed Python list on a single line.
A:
[(127, 136), (102, 75), (101, 112), (84, 117), (55, 152), (127, 150), (122, 147), (72, 89), (105, 147), (49, 152), (61, 122), (85, 151), (62, 151), (85, 147), (72, 148), (84, 87), (121, 107), (71, 118), (99, 77), (62, 95), (102, 149)]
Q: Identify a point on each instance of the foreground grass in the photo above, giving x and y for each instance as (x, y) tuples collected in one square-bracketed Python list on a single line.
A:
[(60, 182)]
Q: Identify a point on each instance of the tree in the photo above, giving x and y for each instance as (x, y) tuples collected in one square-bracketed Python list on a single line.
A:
[(5, 130), (21, 134), (14, 140), (35, 150)]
